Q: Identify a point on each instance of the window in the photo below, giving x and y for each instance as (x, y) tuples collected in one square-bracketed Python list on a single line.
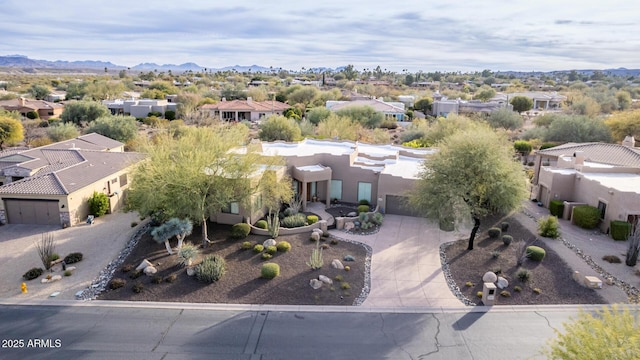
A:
[(123, 180), (114, 180), (364, 191), (603, 209), (232, 208), (336, 189)]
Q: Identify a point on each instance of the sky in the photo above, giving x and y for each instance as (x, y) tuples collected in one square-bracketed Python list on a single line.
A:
[(447, 35)]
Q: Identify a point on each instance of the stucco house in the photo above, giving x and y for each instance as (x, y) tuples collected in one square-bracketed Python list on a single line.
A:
[(394, 110), (45, 109), (139, 108), (606, 176), (51, 184), (541, 100), (249, 110), (443, 106), (324, 170)]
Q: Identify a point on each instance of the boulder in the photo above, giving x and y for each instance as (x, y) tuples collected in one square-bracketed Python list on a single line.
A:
[(320, 232), (349, 225), (489, 277), (315, 236), (502, 282), (270, 242), (352, 214), (150, 270), (349, 258), (325, 279), (71, 268), (144, 264), (315, 283), (337, 264), (191, 271)]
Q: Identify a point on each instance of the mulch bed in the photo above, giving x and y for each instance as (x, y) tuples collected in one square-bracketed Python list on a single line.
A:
[(242, 283), (552, 275)]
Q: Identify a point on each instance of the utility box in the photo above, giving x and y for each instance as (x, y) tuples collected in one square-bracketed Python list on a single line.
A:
[(488, 294)]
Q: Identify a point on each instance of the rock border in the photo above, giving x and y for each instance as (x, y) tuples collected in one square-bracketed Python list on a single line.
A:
[(366, 288)]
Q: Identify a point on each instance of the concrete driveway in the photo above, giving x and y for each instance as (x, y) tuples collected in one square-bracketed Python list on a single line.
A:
[(99, 243)]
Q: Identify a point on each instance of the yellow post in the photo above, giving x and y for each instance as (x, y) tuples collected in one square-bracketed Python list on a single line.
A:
[(24, 288)]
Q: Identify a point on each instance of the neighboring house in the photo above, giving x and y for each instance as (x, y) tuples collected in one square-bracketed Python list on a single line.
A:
[(139, 108), (56, 95), (444, 106), (606, 176), (541, 100), (249, 110), (343, 170), (51, 184), (393, 110), (45, 109)]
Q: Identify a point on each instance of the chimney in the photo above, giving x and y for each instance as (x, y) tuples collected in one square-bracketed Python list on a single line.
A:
[(629, 141), (249, 99), (578, 158), (21, 101), (224, 99)]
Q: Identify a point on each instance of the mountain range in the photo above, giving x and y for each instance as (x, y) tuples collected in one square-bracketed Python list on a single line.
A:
[(25, 63)]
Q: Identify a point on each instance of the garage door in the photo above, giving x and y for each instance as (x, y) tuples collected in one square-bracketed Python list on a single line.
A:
[(43, 212), (397, 205)]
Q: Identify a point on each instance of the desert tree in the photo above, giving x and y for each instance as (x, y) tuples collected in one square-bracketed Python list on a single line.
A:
[(197, 174), (521, 103), (505, 119), (474, 174), (62, 131), (634, 245), (624, 123), (11, 131), (81, 112), (174, 227), (120, 128), (610, 333), (278, 127)]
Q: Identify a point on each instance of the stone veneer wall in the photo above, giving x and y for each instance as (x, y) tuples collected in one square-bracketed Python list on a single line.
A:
[(3, 217), (65, 219)]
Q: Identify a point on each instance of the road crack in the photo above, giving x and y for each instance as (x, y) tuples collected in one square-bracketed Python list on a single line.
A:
[(435, 337)]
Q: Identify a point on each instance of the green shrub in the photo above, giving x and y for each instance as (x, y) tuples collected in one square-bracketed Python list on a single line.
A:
[(548, 227), (537, 291), (283, 246), (258, 248), (240, 230), (523, 274), (612, 259), (312, 219), (363, 209), (98, 204), (479, 294), (211, 269), (469, 284), (556, 208), (270, 270), (363, 202), (345, 285), (272, 249), (494, 232), (535, 253), (171, 278), (54, 257), (377, 218), (620, 230), (68, 273), (507, 239), (504, 226), (293, 221), (266, 256), (187, 253), (505, 293), (585, 216), (33, 273), (170, 115), (261, 224), (137, 288), (517, 288), (126, 268), (135, 274), (134, 224), (246, 245), (117, 283), (495, 254), (73, 258), (156, 279), (32, 115)]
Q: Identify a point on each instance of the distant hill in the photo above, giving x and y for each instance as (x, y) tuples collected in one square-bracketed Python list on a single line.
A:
[(22, 61)]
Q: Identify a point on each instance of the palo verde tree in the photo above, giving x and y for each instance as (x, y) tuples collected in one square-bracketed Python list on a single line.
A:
[(474, 174), (11, 131), (81, 112), (197, 174)]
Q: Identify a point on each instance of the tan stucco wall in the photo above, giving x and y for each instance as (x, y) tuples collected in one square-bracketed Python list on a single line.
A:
[(78, 200), (559, 185)]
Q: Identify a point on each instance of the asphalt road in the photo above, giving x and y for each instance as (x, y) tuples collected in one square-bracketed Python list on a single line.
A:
[(86, 332)]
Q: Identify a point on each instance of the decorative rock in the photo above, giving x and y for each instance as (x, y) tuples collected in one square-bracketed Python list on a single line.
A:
[(577, 277), (352, 214), (144, 264), (325, 279), (315, 236), (150, 270), (609, 281), (337, 264), (71, 268), (191, 271), (315, 283), (502, 282), (320, 232), (489, 277), (349, 258), (349, 225), (270, 242), (55, 294)]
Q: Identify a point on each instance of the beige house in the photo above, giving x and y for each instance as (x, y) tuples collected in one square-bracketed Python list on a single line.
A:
[(249, 110), (606, 176), (45, 109), (51, 184), (324, 170)]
